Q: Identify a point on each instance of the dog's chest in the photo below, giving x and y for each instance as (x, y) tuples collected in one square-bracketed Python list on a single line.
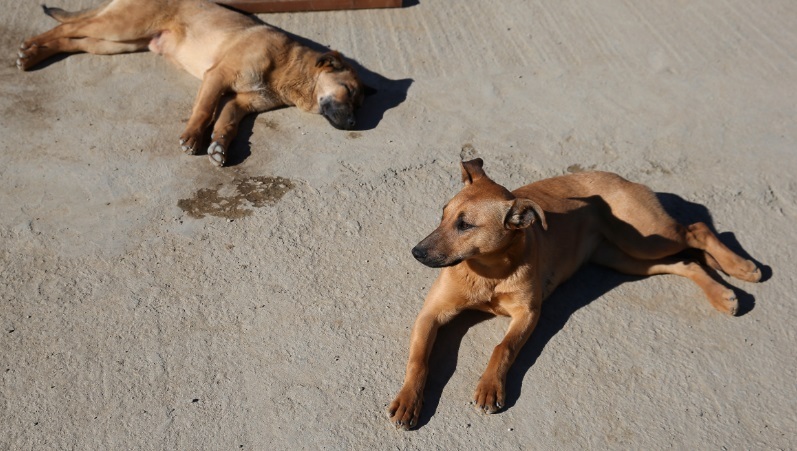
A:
[(496, 305), (487, 296), (253, 82)]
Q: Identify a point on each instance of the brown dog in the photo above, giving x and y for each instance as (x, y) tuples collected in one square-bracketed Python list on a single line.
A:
[(504, 252), (246, 66)]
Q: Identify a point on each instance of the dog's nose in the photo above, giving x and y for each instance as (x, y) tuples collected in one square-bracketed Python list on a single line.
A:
[(351, 122), (419, 253)]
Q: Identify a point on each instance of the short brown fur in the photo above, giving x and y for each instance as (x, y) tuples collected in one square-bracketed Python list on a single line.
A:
[(245, 66), (504, 252)]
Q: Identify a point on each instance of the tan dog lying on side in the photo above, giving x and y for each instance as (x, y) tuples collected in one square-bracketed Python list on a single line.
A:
[(504, 252), (246, 66)]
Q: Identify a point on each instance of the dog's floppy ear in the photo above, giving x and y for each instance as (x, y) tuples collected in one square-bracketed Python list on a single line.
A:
[(522, 213), (331, 59), (472, 171)]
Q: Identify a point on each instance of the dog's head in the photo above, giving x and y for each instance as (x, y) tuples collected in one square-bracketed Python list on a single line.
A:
[(338, 91), (481, 220)]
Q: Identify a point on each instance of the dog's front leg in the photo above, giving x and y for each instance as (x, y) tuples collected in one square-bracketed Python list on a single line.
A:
[(214, 84), (490, 396), (406, 408)]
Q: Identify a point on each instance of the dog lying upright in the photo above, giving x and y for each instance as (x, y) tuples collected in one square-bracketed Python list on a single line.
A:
[(504, 252), (245, 66)]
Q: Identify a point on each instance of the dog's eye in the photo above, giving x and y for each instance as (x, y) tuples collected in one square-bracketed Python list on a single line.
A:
[(463, 226)]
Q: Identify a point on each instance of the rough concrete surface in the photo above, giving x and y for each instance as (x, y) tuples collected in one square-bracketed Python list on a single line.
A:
[(152, 301)]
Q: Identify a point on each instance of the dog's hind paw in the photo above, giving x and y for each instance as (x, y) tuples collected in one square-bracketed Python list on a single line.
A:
[(724, 300), (26, 56), (748, 272), (217, 154)]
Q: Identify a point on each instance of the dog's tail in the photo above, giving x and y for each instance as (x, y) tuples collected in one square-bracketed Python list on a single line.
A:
[(72, 16)]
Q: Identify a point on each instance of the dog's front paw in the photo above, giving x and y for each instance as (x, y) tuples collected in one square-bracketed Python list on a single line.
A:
[(489, 395), (189, 142), (217, 154), (405, 409)]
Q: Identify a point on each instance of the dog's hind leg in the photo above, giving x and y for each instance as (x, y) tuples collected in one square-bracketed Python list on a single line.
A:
[(35, 54), (635, 221), (699, 236), (226, 127), (721, 297), (664, 237), (110, 23), (120, 21)]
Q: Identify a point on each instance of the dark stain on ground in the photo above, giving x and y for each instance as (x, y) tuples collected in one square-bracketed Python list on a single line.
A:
[(354, 135), (270, 124), (249, 192), (574, 168)]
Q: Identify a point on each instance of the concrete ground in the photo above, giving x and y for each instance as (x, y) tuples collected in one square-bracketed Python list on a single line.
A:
[(151, 301)]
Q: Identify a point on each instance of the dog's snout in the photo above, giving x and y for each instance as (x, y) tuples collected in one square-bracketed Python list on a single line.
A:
[(419, 253), (341, 116)]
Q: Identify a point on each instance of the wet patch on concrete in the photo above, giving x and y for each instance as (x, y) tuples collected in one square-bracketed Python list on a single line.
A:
[(354, 135), (251, 192)]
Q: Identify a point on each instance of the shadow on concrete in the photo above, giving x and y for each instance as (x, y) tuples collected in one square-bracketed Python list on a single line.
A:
[(588, 284), (241, 146)]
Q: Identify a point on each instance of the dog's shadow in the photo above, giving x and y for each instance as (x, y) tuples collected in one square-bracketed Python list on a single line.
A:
[(588, 284)]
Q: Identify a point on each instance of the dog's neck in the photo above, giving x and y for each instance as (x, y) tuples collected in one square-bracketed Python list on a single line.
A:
[(501, 264), (299, 68)]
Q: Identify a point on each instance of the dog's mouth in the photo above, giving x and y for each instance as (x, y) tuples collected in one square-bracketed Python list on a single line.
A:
[(441, 263)]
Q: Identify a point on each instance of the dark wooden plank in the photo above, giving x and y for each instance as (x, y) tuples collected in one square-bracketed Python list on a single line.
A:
[(279, 6)]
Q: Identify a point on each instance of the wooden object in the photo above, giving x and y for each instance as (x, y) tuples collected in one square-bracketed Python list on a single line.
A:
[(279, 6)]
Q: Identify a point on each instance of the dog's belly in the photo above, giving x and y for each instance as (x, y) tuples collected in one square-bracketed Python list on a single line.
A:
[(193, 52)]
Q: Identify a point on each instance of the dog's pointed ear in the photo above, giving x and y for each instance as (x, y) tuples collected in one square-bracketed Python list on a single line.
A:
[(369, 91), (523, 213), (472, 171), (331, 59)]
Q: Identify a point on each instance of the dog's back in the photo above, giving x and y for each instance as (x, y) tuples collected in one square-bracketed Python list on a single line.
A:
[(615, 200), (588, 207)]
